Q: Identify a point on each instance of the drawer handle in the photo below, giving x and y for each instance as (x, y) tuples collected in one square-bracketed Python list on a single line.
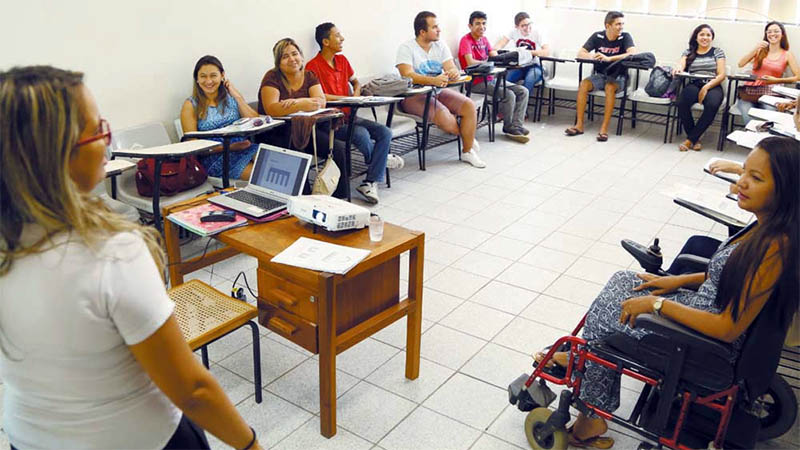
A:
[(282, 326), (283, 298)]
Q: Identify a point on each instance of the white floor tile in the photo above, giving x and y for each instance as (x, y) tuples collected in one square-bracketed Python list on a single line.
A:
[(370, 412), (448, 347), (301, 385), (528, 277), (307, 437), (497, 365), (457, 282), (547, 258), (510, 427), (505, 247), (392, 377), (554, 312), (483, 264), (567, 243), (436, 305), (477, 320), (527, 337), (464, 236), (395, 334), (531, 234), (574, 290), (363, 358), (468, 400), (592, 270), (426, 429), (505, 297), (273, 419), (276, 359)]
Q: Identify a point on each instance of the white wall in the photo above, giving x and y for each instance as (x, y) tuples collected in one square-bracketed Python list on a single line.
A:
[(138, 56)]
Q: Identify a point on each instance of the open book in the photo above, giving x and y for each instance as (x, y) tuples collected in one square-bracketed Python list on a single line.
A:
[(731, 177)]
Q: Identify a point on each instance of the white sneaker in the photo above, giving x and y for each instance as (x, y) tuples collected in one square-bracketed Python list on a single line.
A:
[(369, 191), (394, 162), (472, 157), (475, 145)]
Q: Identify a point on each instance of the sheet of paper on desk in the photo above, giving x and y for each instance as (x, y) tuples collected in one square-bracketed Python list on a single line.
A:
[(787, 91), (233, 128), (784, 119), (732, 177), (310, 113), (747, 139), (709, 199), (370, 99), (772, 100), (322, 256)]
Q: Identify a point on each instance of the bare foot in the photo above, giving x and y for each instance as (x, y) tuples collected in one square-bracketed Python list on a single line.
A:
[(559, 358)]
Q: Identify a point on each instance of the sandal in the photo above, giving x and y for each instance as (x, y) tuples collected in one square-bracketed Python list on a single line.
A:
[(601, 442), (572, 131), (602, 137), (697, 146)]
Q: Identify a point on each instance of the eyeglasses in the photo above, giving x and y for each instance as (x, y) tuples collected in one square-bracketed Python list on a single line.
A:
[(104, 132), (525, 25)]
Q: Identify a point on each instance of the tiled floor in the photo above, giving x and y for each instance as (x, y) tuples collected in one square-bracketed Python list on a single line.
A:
[(514, 255)]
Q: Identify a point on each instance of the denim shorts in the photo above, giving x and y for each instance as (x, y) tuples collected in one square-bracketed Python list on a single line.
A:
[(599, 81)]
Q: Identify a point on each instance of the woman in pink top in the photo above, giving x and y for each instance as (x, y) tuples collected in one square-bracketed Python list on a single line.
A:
[(770, 58)]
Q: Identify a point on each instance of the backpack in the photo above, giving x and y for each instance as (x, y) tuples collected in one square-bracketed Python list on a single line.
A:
[(661, 83), (479, 69), (176, 176), (388, 85)]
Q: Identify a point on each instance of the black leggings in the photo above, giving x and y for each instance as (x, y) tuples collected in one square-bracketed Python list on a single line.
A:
[(711, 105)]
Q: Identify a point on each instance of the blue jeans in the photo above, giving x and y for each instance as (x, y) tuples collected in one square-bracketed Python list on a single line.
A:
[(364, 132), (532, 75)]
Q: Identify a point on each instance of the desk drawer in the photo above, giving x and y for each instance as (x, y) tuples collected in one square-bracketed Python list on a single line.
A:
[(287, 296), (289, 326)]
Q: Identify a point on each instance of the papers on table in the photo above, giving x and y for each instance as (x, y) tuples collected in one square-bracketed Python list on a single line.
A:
[(322, 256), (366, 100), (772, 100), (232, 128), (787, 91), (747, 139), (731, 177), (711, 200), (784, 119), (309, 113)]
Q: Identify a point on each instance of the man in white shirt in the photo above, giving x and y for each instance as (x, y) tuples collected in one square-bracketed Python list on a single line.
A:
[(428, 61), (525, 36)]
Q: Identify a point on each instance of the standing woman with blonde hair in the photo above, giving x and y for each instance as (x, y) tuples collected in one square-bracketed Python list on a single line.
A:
[(90, 352)]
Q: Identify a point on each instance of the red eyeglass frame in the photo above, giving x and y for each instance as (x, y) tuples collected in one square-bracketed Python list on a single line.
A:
[(105, 133)]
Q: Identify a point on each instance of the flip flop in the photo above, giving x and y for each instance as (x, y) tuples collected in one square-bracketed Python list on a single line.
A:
[(602, 137), (683, 148), (697, 147), (601, 442), (572, 131)]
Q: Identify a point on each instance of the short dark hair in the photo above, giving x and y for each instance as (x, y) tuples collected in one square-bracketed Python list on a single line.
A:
[(323, 31), (421, 21), (520, 17), (476, 15), (611, 16)]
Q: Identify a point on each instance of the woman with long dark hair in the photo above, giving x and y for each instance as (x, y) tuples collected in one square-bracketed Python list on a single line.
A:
[(703, 60), (755, 266), (90, 352), (770, 57), (216, 103)]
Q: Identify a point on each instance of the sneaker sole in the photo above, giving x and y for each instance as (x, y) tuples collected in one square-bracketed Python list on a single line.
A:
[(518, 137), (370, 200)]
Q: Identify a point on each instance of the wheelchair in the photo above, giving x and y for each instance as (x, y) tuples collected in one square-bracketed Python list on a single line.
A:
[(693, 397)]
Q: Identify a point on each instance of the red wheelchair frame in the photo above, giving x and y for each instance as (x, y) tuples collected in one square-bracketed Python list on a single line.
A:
[(722, 402)]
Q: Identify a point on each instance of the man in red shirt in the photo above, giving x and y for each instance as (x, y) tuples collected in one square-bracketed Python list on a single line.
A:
[(336, 77), (475, 48)]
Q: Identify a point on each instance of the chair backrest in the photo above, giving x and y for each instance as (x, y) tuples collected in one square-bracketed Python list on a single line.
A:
[(566, 69), (178, 128), (147, 135)]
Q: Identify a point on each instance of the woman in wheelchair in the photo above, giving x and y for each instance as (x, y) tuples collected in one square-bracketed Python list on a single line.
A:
[(757, 265)]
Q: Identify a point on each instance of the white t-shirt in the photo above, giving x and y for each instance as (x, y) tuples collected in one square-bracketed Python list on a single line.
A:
[(412, 54), (67, 317), (533, 41)]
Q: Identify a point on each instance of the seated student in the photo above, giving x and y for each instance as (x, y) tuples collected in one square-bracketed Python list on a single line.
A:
[(215, 103), (609, 45), (90, 351), (474, 48), (769, 57), (752, 270), (786, 107), (427, 60), (335, 75), (700, 59), (524, 35)]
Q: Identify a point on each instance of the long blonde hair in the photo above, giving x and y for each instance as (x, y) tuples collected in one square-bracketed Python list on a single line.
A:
[(41, 118)]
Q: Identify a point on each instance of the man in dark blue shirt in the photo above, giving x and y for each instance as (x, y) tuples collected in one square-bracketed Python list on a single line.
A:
[(609, 45)]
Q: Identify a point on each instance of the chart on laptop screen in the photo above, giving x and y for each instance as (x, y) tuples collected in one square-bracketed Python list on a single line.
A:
[(278, 171)]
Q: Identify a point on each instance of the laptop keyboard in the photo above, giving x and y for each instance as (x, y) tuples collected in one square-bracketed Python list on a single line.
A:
[(256, 200)]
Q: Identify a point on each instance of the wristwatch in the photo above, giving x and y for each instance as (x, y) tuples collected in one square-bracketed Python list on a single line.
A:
[(657, 306)]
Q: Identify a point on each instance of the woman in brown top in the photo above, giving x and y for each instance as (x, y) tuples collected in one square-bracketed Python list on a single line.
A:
[(288, 87)]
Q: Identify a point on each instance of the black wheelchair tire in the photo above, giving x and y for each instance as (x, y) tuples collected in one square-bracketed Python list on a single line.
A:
[(780, 409)]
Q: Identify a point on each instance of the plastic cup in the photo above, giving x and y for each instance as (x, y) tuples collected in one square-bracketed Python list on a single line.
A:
[(375, 229)]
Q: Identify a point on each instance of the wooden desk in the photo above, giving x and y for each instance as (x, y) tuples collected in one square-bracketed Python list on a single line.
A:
[(322, 312)]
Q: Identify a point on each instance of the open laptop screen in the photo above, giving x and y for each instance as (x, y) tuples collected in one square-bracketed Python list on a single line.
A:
[(279, 171)]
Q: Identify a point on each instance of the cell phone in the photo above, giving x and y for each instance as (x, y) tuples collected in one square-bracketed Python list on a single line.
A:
[(766, 126)]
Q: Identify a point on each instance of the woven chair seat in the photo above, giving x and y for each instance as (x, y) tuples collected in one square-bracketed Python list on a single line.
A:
[(206, 314)]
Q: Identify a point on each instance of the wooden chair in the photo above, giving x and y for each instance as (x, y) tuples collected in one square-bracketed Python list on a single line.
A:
[(206, 314)]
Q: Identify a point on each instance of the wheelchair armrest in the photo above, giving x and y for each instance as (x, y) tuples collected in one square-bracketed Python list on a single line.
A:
[(683, 335), (694, 262)]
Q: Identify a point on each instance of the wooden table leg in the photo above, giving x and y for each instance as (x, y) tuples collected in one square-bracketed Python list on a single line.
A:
[(173, 247), (327, 358), (414, 328)]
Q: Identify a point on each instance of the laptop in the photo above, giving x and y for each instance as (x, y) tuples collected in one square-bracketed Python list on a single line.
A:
[(278, 174)]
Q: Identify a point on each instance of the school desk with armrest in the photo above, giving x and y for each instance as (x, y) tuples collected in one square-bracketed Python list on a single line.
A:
[(324, 313)]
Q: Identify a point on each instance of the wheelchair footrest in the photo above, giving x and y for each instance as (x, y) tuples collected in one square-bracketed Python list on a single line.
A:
[(538, 395)]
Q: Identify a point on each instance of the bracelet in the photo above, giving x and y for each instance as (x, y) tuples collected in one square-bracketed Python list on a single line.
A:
[(252, 441)]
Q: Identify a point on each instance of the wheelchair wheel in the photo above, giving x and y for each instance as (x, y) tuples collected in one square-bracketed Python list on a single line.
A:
[(777, 409), (534, 431)]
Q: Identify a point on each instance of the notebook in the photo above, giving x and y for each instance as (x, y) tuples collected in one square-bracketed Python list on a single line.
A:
[(278, 174), (190, 219)]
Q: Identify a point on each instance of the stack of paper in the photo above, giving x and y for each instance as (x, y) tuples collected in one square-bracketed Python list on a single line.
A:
[(322, 256), (711, 200), (367, 100), (787, 91), (309, 113)]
